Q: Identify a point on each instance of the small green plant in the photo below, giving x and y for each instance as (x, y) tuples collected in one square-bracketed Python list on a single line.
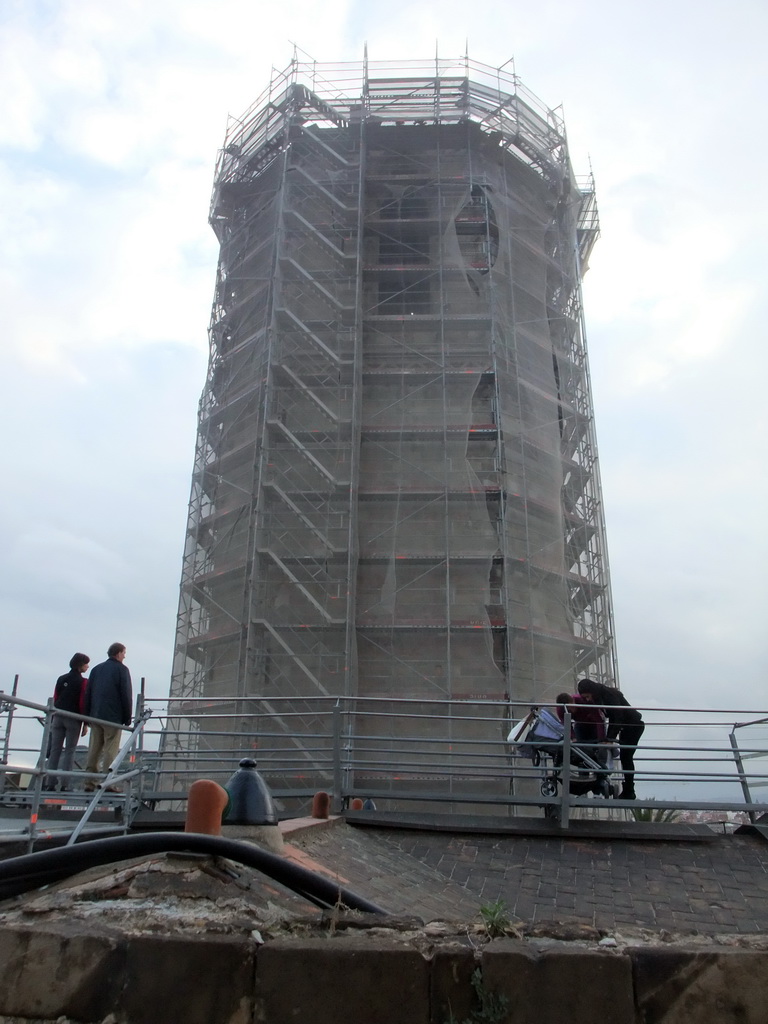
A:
[(655, 814), (492, 1008), (495, 918)]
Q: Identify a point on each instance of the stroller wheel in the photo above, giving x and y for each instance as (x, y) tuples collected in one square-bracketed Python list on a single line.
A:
[(549, 787), (604, 789)]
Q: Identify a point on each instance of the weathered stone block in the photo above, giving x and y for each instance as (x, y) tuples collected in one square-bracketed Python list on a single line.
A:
[(547, 985), (451, 983), (59, 972), (509, 969), (675, 986), (341, 978), (183, 980)]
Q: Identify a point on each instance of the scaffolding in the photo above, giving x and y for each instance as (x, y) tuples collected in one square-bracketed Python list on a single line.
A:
[(396, 488)]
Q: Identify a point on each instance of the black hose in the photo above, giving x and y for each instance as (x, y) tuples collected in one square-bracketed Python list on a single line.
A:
[(20, 874)]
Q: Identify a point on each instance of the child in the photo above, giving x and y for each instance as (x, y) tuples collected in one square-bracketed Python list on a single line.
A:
[(588, 722)]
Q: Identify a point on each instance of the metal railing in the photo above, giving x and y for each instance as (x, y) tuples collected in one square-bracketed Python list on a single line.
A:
[(399, 752), (741, 754), (35, 798), (393, 750)]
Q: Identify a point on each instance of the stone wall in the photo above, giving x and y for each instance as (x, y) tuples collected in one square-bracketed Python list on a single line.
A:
[(67, 975)]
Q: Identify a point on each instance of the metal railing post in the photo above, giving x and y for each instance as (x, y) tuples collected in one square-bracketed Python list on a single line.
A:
[(39, 774), (565, 793), (10, 707), (337, 795), (742, 774), (140, 714)]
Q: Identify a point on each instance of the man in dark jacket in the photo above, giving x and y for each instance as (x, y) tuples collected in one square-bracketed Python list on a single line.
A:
[(110, 697)]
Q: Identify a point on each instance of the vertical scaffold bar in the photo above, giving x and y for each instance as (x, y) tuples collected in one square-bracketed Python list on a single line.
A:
[(565, 793), (337, 795), (10, 707), (742, 774)]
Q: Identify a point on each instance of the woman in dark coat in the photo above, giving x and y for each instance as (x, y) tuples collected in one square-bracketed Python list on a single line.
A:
[(625, 725), (69, 695)]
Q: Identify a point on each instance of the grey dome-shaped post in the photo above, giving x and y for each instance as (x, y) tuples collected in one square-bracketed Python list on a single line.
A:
[(250, 801)]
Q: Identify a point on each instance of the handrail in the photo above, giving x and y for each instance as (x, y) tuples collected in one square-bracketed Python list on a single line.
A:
[(113, 778), (9, 704), (710, 760), (385, 749)]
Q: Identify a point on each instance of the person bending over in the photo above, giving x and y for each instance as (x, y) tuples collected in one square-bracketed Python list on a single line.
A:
[(625, 726)]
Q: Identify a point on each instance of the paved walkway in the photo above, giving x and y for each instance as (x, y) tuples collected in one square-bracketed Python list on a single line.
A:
[(716, 886)]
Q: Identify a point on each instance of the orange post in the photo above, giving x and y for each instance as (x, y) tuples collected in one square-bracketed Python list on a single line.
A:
[(205, 806), (321, 805)]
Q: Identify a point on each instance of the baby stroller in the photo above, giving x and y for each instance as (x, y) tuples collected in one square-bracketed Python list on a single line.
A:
[(540, 738)]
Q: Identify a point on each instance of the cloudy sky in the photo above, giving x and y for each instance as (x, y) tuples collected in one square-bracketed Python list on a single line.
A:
[(111, 115)]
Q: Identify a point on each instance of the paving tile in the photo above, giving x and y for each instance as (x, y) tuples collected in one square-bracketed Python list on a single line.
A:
[(718, 886)]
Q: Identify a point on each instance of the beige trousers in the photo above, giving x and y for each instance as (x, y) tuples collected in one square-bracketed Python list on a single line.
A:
[(104, 745)]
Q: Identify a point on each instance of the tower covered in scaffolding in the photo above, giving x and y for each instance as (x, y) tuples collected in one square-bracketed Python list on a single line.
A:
[(395, 491)]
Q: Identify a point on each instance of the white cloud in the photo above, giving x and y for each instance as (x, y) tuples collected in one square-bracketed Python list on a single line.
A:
[(69, 566)]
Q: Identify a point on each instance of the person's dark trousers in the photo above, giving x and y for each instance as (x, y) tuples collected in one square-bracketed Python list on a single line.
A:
[(586, 736), (63, 731), (629, 737)]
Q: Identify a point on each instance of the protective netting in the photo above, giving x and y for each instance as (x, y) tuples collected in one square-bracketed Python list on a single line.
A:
[(395, 490)]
